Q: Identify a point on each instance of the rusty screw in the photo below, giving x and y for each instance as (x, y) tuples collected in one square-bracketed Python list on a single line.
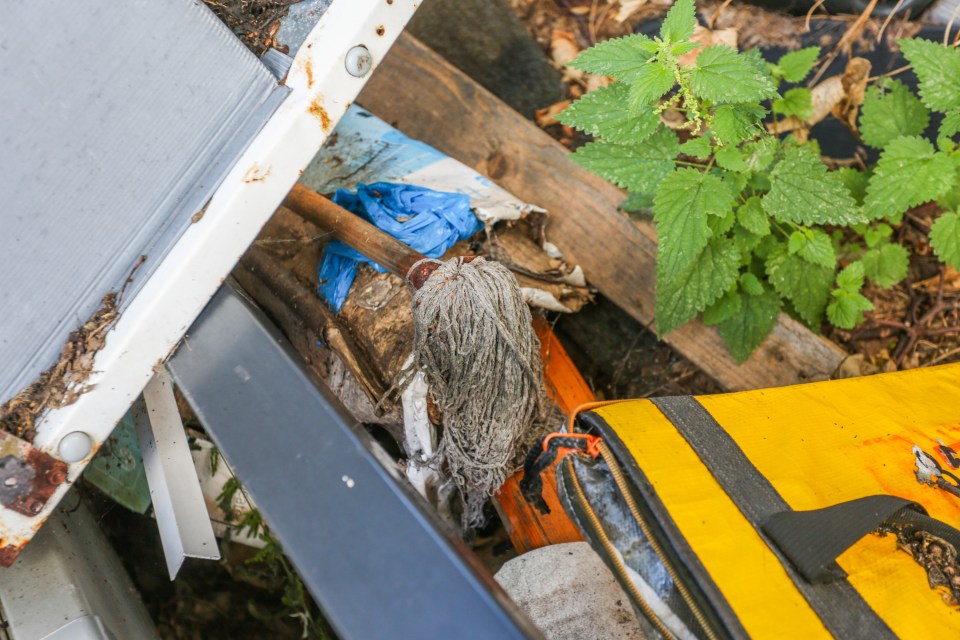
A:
[(34, 505), (56, 476)]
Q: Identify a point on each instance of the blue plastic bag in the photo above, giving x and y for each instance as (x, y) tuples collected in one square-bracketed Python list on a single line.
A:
[(426, 220)]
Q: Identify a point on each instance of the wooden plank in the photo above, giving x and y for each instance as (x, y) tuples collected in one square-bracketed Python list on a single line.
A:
[(427, 98)]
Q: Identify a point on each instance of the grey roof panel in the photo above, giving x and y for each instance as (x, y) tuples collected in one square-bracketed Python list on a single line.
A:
[(117, 122)]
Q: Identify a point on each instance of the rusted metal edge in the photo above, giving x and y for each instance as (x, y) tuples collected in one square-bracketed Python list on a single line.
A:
[(28, 479)]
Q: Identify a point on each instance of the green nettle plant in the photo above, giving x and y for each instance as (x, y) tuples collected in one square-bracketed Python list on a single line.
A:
[(748, 223)]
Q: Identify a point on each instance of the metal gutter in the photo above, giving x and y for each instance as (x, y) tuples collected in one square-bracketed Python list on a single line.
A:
[(370, 551)]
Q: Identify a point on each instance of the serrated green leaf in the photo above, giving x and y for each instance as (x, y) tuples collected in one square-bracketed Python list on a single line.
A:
[(949, 127), (701, 284), (945, 239), (846, 308), (697, 148), (605, 113), (855, 181), (731, 158), (736, 182), (805, 284), (636, 167), (796, 241), (795, 102), (750, 284), (684, 201), (890, 111), (753, 218), (760, 183), (635, 202), (950, 201), (910, 172), (938, 69), (719, 225), (726, 307), (886, 265), (877, 234), (649, 85), (851, 277), (744, 331), (682, 48), (733, 123), (722, 75), (759, 154), (813, 246), (746, 242), (680, 21), (621, 58), (795, 65), (804, 192)]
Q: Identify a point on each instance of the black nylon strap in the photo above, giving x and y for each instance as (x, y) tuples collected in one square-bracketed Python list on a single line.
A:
[(813, 540), (841, 609)]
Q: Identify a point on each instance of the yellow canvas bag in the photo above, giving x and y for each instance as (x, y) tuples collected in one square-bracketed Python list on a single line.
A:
[(826, 509)]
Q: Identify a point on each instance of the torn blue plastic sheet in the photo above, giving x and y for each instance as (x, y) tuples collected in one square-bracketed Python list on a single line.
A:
[(426, 220)]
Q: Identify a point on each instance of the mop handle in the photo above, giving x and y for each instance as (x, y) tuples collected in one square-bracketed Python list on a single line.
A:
[(358, 234), (352, 230)]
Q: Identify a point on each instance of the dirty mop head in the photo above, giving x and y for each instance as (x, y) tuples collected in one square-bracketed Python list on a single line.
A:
[(474, 343)]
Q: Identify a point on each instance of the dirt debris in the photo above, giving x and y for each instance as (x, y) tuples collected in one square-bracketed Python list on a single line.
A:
[(916, 322), (255, 22), (64, 382)]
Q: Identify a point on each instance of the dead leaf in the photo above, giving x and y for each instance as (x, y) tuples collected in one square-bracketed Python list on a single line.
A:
[(951, 281), (564, 50), (673, 119), (595, 82), (840, 95), (854, 87), (708, 38), (547, 117), (627, 9)]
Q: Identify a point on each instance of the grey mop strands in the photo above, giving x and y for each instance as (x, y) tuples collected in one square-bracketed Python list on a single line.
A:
[(475, 345)]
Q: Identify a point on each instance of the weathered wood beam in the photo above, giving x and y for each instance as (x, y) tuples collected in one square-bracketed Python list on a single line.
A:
[(425, 97)]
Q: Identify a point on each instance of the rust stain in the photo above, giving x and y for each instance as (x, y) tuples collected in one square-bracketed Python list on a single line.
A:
[(381, 30), (317, 111), (256, 173), (48, 474), (198, 216), (8, 554), (308, 68)]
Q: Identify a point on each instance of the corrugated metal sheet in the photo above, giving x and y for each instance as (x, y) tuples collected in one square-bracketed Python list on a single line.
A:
[(117, 122)]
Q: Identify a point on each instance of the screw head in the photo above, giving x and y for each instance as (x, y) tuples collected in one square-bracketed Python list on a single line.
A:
[(74, 446), (359, 61)]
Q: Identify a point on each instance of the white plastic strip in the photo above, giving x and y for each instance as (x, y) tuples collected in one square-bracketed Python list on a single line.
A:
[(185, 529)]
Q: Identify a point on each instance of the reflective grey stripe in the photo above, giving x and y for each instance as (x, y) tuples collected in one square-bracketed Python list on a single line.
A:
[(842, 610)]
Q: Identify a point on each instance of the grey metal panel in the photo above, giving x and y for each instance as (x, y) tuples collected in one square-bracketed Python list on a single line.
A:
[(374, 558), (117, 121)]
